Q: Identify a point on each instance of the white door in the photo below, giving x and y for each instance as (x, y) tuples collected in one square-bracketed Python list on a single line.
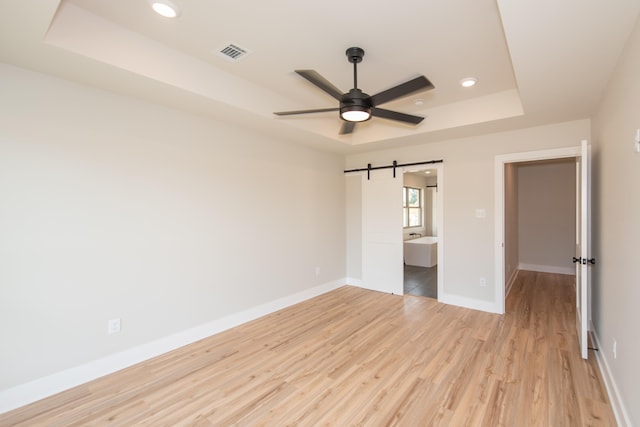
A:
[(382, 263), (583, 248)]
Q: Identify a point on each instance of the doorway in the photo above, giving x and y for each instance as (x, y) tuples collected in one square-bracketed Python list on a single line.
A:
[(540, 217), (582, 252), (506, 267), (420, 232), (375, 227)]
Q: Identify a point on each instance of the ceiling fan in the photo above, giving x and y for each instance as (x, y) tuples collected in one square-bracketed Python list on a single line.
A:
[(357, 106)]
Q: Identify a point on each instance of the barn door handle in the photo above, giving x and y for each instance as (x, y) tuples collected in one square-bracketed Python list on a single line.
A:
[(591, 261), (578, 260)]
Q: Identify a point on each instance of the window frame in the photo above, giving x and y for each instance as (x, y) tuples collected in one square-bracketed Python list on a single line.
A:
[(406, 209)]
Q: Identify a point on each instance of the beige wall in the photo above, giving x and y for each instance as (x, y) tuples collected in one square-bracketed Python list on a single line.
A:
[(112, 207), (547, 215), (616, 230), (468, 184)]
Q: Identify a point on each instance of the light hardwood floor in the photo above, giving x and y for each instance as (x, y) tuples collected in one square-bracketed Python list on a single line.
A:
[(358, 357)]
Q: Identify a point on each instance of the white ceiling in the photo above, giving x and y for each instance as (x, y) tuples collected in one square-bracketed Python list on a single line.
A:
[(537, 61)]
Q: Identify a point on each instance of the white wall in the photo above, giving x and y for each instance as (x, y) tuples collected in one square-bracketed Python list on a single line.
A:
[(468, 169), (616, 233), (111, 207), (547, 216), (431, 207)]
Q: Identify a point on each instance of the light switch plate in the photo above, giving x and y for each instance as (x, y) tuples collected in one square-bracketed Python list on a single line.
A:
[(113, 326)]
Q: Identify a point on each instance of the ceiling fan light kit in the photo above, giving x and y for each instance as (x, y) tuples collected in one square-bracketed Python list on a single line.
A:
[(357, 106), (355, 113)]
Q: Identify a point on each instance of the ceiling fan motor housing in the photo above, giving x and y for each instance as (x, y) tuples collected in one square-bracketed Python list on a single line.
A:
[(355, 100)]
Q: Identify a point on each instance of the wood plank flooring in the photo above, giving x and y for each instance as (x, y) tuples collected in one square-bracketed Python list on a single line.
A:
[(358, 357)]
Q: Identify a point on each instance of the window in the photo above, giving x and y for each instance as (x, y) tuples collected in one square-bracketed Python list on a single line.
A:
[(411, 207)]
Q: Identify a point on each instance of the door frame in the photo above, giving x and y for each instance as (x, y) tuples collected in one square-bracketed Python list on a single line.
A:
[(500, 162), (439, 167)]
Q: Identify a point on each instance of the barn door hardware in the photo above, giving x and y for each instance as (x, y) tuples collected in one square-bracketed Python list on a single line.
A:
[(581, 260), (393, 166)]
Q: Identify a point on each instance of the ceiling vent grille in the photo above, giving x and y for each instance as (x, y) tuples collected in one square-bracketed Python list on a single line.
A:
[(233, 52)]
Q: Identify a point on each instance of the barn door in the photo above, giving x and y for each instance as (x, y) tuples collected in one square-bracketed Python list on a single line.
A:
[(382, 262)]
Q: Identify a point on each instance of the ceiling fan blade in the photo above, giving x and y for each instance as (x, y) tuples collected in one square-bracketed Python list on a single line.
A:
[(416, 85), (395, 115), (347, 127), (324, 84), (317, 110)]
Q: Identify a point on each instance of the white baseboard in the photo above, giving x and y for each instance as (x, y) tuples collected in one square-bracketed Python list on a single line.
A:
[(510, 282), (450, 299), (32, 391), (475, 304), (619, 410), (547, 268), (354, 282)]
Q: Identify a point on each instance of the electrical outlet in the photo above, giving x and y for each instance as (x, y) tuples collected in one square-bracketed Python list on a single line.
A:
[(483, 281), (114, 326), (317, 271), (615, 349)]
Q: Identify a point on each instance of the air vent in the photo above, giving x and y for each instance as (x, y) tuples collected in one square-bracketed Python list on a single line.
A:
[(233, 52)]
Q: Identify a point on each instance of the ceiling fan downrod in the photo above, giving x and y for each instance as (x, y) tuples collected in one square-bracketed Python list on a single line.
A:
[(354, 55)]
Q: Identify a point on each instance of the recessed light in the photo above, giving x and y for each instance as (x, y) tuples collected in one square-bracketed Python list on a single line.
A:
[(165, 8), (419, 102), (468, 82), (427, 172)]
